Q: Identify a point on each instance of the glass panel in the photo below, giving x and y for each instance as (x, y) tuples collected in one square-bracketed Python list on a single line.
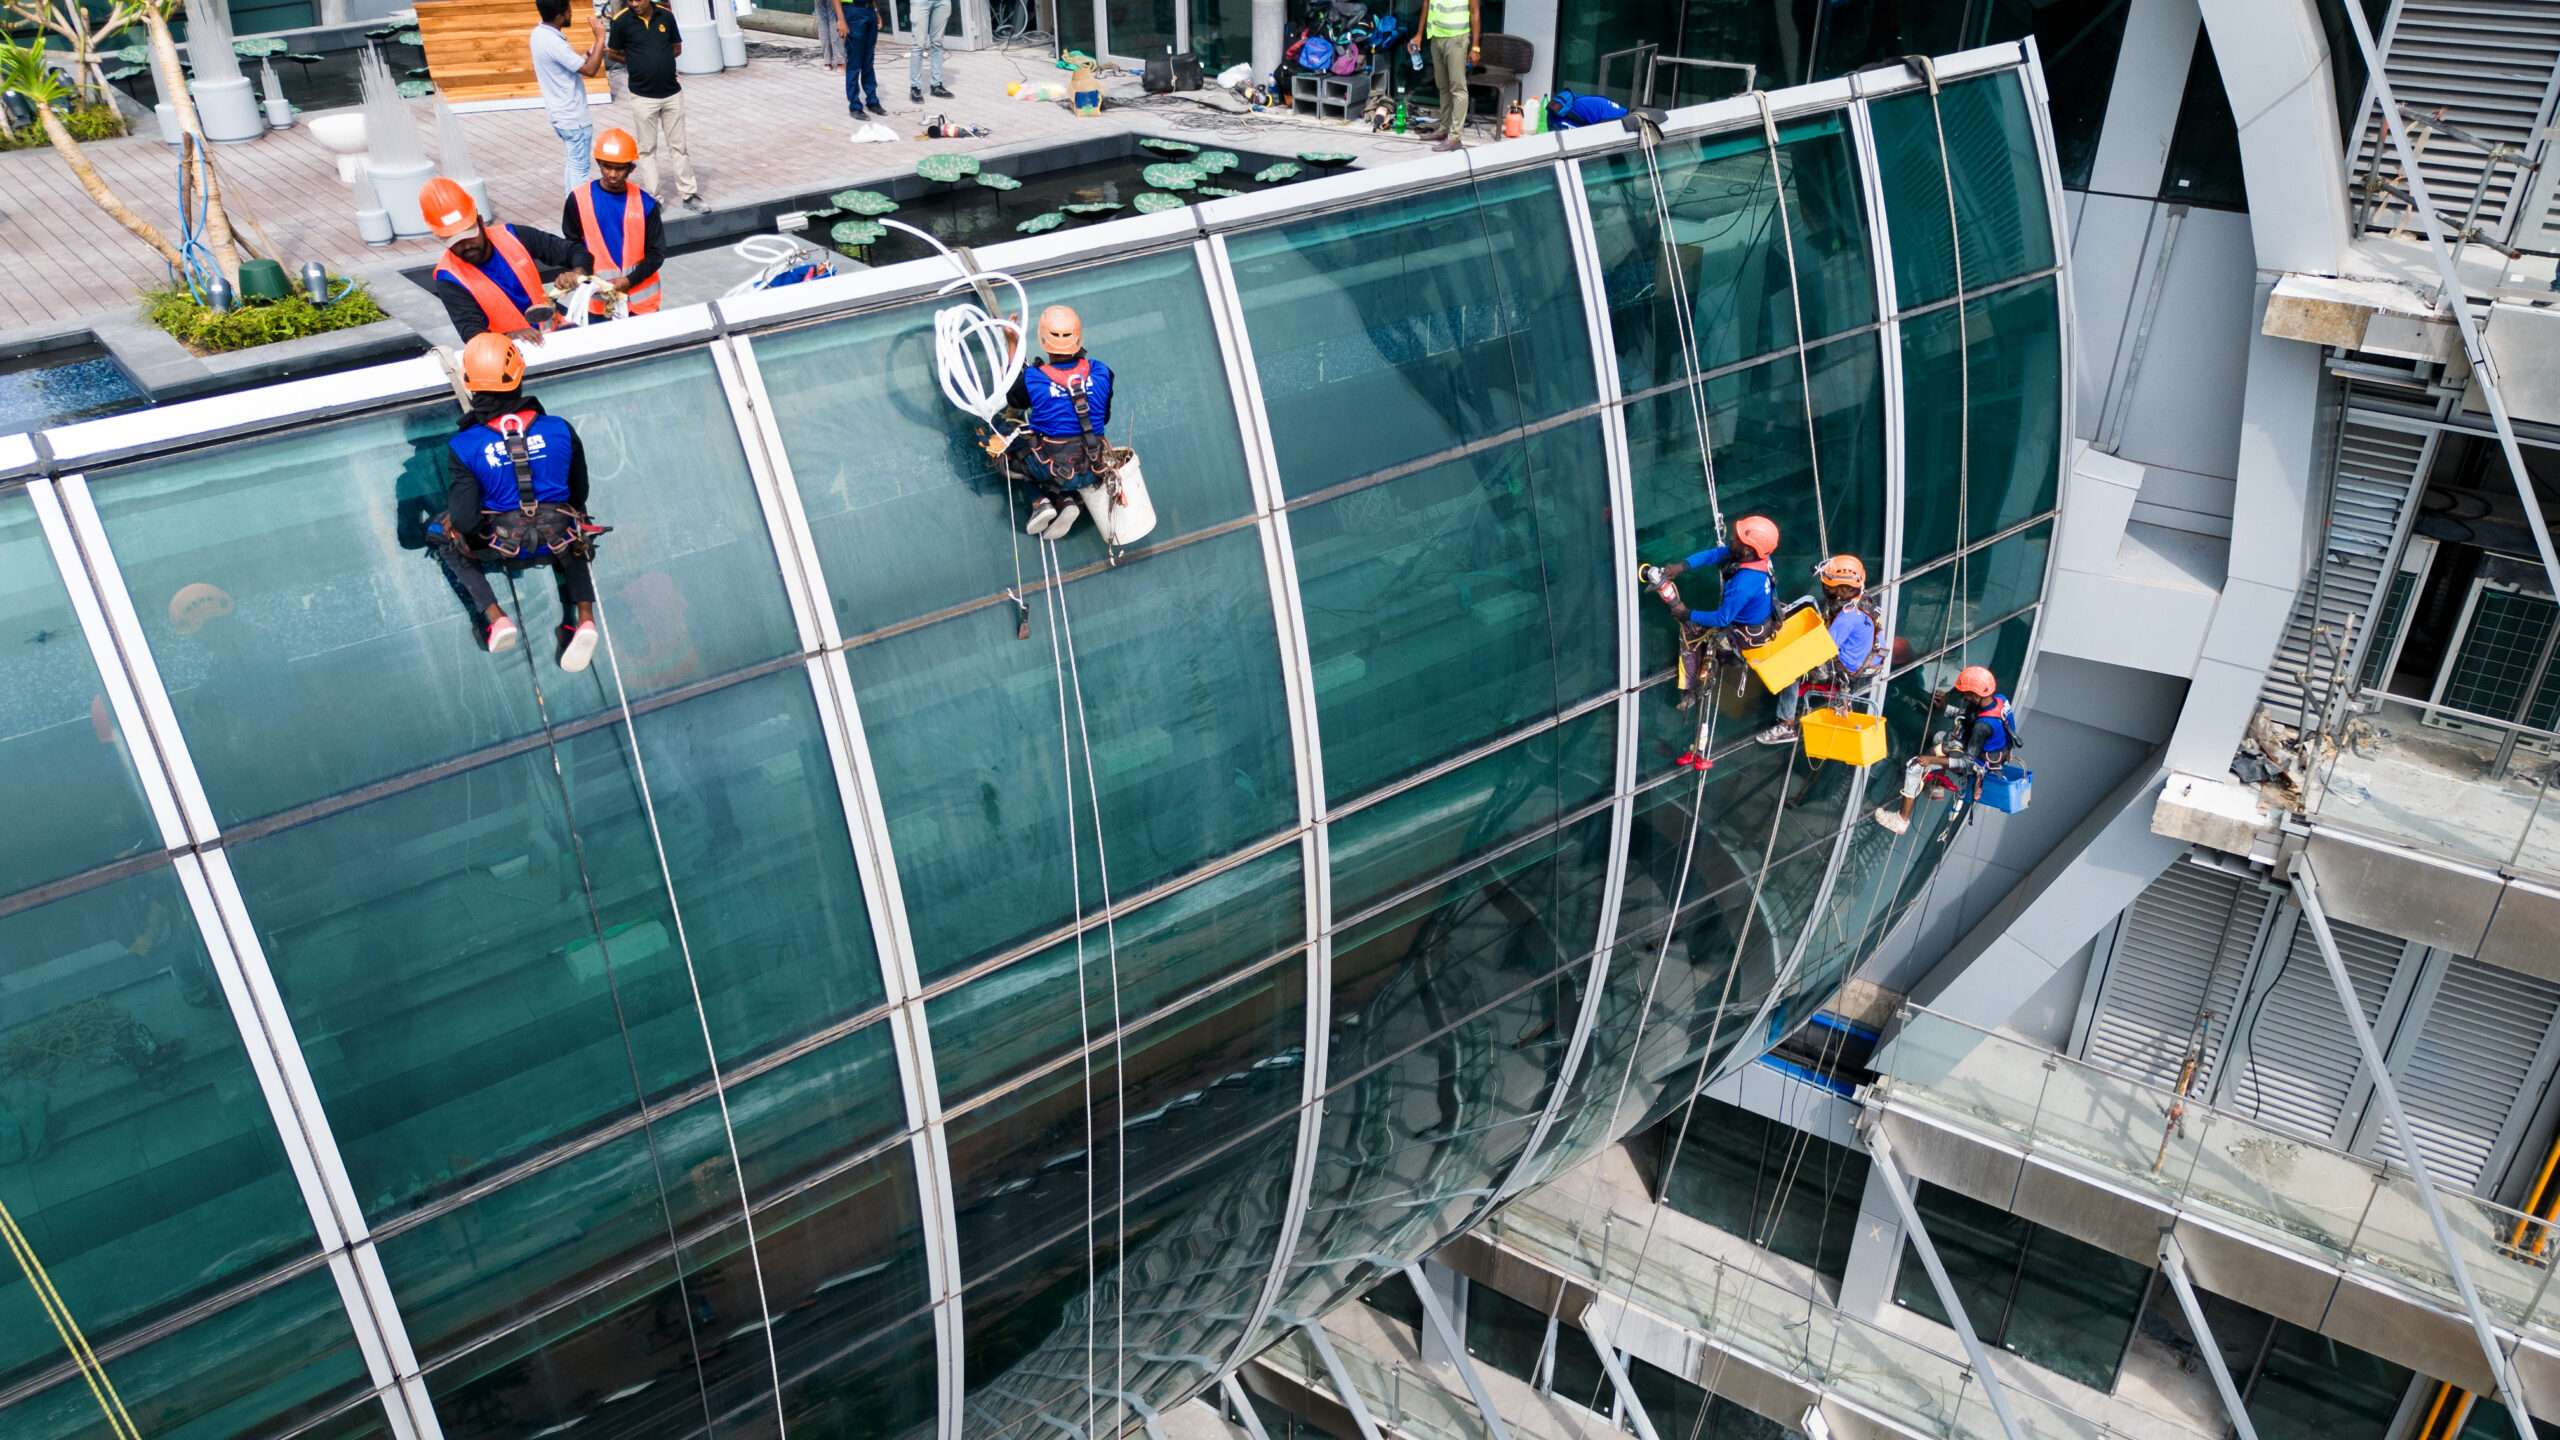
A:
[(619, 1359), (2079, 41), (1979, 1246), (1725, 224), (57, 740), (1476, 808), (1795, 1193), (1180, 668), (2204, 150), (325, 587), (1504, 1334), (1453, 604), (136, 1150), (1999, 182), (906, 513), (1400, 330), (2313, 1388), (257, 1368), (1035, 1010), (526, 1030), (876, 1389), (2075, 1308), (2015, 372), (1140, 27), (1676, 1406)]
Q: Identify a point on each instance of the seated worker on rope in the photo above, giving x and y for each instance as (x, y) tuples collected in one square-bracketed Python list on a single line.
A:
[(625, 239), (1744, 613), (1066, 404), (487, 277), (1983, 738), (518, 497), (1854, 626)]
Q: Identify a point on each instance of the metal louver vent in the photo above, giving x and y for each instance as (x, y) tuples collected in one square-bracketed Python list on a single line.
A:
[(2184, 947), (2479, 1054), (2301, 1064), (2379, 473), (2489, 66)]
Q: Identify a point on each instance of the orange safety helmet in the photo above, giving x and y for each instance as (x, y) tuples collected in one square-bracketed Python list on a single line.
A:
[(614, 146), (451, 212), (491, 362), (1976, 680), (196, 603), (1846, 572), (1759, 532)]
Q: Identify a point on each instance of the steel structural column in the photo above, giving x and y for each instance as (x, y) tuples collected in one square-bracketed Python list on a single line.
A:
[(1627, 1400), (1436, 1315), (2306, 891), (1234, 1390), (1343, 1389), (2173, 1263), (1880, 1151)]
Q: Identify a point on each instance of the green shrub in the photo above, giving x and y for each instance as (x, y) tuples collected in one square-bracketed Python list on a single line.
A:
[(89, 122), (256, 322)]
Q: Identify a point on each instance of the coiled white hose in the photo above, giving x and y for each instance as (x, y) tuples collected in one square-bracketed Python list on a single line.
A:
[(977, 356)]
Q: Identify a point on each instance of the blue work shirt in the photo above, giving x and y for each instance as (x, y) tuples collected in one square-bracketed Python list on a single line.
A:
[(1853, 633), (1746, 592)]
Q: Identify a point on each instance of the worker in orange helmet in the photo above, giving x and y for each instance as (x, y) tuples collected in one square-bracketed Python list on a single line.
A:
[(518, 496), (1983, 738), (1840, 586), (1745, 613), (625, 238), (489, 277)]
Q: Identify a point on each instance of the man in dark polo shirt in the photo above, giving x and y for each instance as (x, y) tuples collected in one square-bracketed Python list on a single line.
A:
[(644, 39)]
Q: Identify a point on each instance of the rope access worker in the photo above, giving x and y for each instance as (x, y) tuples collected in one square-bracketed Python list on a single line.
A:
[(1982, 740), (487, 277), (1743, 613), (518, 497), (1066, 404), (626, 241), (1851, 617)]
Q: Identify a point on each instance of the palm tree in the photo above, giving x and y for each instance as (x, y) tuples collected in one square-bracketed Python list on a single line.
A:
[(23, 70), (82, 31)]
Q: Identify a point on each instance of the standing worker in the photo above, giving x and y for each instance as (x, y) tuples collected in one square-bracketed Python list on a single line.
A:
[(518, 497), (1454, 30), (1851, 617), (626, 238), (487, 277), (930, 18), (1066, 404), (1983, 736), (563, 73), (643, 38), (858, 24)]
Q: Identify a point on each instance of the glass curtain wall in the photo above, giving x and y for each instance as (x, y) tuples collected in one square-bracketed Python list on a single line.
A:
[(1029, 1008)]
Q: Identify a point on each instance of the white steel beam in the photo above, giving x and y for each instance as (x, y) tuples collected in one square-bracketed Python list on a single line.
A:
[(1880, 1151), (1343, 1389), (1436, 1315), (2173, 1264), (1627, 1401)]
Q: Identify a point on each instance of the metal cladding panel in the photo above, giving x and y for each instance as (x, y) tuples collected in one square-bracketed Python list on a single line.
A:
[(2301, 1065), (2482, 66), (2480, 1051), (2183, 950), (2524, 935), (2404, 892), (2378, 474)]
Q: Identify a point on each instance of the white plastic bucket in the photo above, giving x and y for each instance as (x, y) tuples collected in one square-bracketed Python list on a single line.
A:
[(1122, 511)]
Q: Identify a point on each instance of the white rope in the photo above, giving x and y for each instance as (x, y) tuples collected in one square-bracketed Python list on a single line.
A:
[(1964, 374), (1795, 303), (1685, 323), (719, 1090)]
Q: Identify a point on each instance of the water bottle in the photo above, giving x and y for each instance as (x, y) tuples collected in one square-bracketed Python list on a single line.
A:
[(1413, 55)]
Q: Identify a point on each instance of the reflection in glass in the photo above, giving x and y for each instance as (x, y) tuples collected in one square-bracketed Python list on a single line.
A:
[(2014, 371), (1999, 183)]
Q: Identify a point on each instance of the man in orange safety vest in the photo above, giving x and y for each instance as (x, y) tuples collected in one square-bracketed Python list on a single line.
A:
[(625, 238), (489, 276)]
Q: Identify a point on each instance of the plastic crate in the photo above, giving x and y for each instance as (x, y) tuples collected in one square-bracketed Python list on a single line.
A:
[(1843, 735), (1801, 644), (2007, 790)]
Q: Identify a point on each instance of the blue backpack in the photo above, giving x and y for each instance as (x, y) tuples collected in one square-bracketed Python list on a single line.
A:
[(1316, 56)]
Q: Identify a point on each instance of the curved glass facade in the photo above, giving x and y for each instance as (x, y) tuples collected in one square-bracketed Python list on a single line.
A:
[(862, 1006)]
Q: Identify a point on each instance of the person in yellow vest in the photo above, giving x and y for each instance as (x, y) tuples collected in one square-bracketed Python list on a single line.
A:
[(618, 221), (1453, 30), (490, 277)]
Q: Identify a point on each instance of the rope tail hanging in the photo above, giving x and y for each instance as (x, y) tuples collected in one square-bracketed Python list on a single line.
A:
[(93, 1372), (1795, 305), (1683, 320)]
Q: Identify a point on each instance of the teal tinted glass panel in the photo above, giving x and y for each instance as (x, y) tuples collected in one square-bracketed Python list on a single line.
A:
[(136, 1151), (1383, 848), (2310, 1387), (1746, 1175), (907, 514), (873, 1389), (333, 591), (2005, 575), (62, 749), (2003, 226), (1448, 606), (1400, 330), (1925, 616), (1034, 1010), (259, 1367), (1189, 732), (2014, 373), (620, 1356), (1729, 235), (513, 1027)]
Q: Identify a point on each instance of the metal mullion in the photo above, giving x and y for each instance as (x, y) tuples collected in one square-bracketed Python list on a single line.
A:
[(389, 1385), (1280, 572), (777, 494), (2049, 169)]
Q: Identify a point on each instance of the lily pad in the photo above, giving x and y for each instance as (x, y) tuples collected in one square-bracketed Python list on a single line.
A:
[(408, 37), (993, 181), (862, 202), (1169, 147), (947, 168), (858, 232), (1171, 177), (257, 48), (132, 54), (1094, 207), (1216, 162), (415, 89), (1285, 170), (1326, 157), (1151, 201), (416, 72), (1217, 192), (1047, 220), (124, 72)]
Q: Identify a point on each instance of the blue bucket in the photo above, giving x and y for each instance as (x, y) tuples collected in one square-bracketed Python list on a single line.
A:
[(2008, 790)]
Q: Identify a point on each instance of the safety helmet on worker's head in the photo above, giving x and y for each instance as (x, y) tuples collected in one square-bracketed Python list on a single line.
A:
[(451, 212), (1759, 533), (1842, 572), (1976, 680), (491, 362), (614, 146), (196, 603)]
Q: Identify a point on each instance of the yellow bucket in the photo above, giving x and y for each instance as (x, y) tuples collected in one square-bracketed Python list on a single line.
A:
[(1843, 735), (1801, 644)]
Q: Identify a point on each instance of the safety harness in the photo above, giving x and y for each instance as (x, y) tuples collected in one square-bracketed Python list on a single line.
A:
[(536, 528), (1060, 456), (643, 298), (505, 316)]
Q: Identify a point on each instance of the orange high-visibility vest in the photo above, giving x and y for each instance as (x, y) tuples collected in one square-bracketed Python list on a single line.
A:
[(501, 311), (628, 255)]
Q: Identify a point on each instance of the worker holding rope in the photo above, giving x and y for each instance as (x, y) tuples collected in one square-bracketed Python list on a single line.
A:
[(1983, 738), (1744, 610), (489, 277), (1066, 404), (518, 497)]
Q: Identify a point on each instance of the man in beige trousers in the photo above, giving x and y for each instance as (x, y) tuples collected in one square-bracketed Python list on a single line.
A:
[(644, 38), (1452, 28)]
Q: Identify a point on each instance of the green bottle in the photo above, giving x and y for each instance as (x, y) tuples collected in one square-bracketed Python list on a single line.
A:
[(1401, 123)]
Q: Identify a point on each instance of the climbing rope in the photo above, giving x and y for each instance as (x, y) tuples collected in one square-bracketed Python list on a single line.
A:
[(93, 1372), (1795, 304), (1649, 137)]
